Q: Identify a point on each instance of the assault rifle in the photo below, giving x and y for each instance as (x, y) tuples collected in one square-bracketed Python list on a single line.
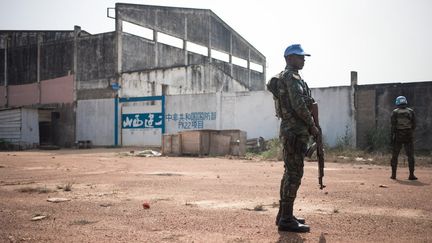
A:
[(319, 143)]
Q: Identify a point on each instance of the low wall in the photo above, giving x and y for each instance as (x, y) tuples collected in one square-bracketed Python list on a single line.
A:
[(335, 114)]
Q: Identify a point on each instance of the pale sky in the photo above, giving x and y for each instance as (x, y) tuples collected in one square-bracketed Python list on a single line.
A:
[(383, 40)]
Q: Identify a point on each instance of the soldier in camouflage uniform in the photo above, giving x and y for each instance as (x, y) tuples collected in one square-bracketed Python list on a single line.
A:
[(403, 124), (292, 99)]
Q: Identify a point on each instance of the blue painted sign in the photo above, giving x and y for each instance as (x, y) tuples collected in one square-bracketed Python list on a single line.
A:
[(144, 120)]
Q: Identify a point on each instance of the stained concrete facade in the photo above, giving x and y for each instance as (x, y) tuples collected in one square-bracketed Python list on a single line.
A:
[(36, 72), (191, 26), (60, 71)]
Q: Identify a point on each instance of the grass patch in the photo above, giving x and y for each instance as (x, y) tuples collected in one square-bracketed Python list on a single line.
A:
[(273, 152), (67, 187), (35, 190), (376, 153), (378, 140)]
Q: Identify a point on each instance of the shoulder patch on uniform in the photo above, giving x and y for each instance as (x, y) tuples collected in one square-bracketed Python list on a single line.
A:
[(296, 76)]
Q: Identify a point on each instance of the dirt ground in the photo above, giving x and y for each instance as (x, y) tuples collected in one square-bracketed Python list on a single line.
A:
[(201, 200)]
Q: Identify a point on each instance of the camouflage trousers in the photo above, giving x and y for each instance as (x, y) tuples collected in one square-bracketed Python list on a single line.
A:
[(409, 150), (293, 154)]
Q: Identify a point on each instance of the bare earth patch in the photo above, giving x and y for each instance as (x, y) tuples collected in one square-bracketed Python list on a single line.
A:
[(201, 200)]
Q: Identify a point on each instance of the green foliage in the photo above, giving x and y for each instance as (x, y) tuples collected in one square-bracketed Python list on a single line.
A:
[(35, 190), (5, 145), (348, 152), (274, 150), (344, 142), (378, 140)]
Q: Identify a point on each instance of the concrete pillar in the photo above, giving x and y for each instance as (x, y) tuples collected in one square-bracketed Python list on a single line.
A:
[(156, 53), (119, 50), (77, 31), (39, 41), (186, 62), (185, 42), (249, 71), (6, 44), (353, 110), (155, 39), (353, 78), (230, 55), (119, 46), (209, 46)]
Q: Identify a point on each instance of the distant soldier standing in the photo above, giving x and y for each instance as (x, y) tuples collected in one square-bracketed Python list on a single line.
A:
[(403, 124), (292, 99)]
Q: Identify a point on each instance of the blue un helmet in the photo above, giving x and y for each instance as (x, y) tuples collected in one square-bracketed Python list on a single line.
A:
[(401, 100), (295, 49)]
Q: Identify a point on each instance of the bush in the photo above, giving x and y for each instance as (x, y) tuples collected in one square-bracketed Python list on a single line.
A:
[(5, 145), (378, 140), (344, 142), (274, 150)]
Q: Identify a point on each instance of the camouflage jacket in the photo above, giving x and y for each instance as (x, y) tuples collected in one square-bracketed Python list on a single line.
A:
[(294, 101), (403, 118)]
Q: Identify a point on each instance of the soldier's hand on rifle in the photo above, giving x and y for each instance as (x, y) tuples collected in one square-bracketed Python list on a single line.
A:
[(314, 131)]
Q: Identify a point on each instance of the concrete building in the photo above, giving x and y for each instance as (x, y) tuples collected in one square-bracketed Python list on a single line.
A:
[(86, 82), (165, 70)]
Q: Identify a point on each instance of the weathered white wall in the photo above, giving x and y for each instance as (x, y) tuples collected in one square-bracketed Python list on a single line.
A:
[(191, 112), (335, 115), (194, 79), (252, 112), (95, 121), (29, 127)]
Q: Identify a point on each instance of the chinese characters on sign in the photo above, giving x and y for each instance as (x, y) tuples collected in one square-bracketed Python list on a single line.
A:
[(193, 120), (145, 120)]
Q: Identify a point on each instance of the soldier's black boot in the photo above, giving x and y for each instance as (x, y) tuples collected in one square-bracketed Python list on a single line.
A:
[(300, 220), (278, 215), (287, 221), (412, 177), (393, 175), (411, 169)]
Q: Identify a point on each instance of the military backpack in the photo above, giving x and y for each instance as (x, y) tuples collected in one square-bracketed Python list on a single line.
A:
[(272, 86), (404, 118)]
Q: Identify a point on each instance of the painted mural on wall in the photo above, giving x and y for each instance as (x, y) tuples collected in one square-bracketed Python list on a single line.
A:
[(193, 120), (144, 120)]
